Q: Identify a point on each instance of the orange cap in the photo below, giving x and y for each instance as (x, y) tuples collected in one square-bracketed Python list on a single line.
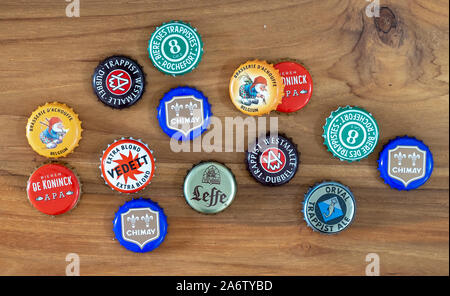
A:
[(256, 88), (53, 130)]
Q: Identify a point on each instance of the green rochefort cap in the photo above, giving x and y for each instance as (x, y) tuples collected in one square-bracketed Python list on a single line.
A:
[(351, 133), (175, 48)]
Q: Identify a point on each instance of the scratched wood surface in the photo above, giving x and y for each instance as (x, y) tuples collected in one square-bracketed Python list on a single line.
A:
[(397, 67)]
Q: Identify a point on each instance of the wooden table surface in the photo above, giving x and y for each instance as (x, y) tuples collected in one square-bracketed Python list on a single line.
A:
[(397, 67)]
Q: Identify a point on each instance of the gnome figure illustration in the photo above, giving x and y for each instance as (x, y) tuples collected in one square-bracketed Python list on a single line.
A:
[(253, 91), (54, 133)]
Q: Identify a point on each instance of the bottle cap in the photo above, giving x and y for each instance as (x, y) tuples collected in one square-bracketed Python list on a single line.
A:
[(175, 48), (127, 165), (405, 163), (273, 160), (53, 130), (184, 113), (209, 187), (140, 225), (53, 189), (256, 88), (351, 133), (118, 82), (329, 207), (298, 86)]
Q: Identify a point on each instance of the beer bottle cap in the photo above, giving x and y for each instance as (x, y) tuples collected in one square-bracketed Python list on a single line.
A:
[(127, 165), (175, 48), (351, 133), (273, 159), (53, 130), (53, 189), (298, 86), (329, 207), (184, 113), (140, 225), (256, 88), (209, 187), (118, 82), (405, 163)]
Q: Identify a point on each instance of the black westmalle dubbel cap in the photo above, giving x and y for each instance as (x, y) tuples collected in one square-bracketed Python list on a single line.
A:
[(273, 159), (118, 82)]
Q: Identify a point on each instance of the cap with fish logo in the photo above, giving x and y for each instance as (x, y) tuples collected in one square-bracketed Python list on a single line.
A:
[(298, 86), (405, 163), (127, 165), (329, 207), (140, 225), (53, 189), (53, 130)]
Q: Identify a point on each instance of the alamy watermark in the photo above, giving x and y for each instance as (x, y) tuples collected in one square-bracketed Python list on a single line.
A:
[(222, 138), (73, 8), (73, 268), (373, 268), (373, 9)]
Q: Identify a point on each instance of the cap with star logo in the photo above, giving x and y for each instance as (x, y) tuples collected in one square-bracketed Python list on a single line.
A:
[(127, 165), (273, 159)]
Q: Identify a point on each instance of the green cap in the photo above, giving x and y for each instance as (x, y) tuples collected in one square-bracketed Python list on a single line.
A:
[(351, 133), (209, 187), (175, 48)]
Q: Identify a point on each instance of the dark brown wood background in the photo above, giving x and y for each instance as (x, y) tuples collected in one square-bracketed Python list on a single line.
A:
[(397, 67)]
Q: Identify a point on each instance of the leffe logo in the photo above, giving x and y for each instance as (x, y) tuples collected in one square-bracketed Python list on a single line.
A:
[(273, 160), (184, 114), (407, 164), (140, 226)]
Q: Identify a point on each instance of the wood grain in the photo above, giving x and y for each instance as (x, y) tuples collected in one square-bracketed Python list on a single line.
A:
[(397, 67)]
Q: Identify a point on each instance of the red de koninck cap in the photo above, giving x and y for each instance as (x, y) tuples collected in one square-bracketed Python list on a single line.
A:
[(298, 86), (53, 189)]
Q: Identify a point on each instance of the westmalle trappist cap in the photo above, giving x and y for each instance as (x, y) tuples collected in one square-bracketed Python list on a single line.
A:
[(405, 163), (118, 82), (140, 225), (273, 159), (184, 113), (329, 207)]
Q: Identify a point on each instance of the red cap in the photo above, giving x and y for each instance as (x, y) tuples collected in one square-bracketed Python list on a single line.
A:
[(298, 86), (53, 189)]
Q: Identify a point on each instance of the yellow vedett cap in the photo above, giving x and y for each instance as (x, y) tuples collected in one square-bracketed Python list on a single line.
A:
[(53, 130), (256, 88)]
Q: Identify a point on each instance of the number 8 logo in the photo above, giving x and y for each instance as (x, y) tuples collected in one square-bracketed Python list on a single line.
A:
[(352, 135), (174, 47)]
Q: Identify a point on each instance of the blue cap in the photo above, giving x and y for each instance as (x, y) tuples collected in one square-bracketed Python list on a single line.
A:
[(329, 207), (140, 225), (405, 163), (184, 113)]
